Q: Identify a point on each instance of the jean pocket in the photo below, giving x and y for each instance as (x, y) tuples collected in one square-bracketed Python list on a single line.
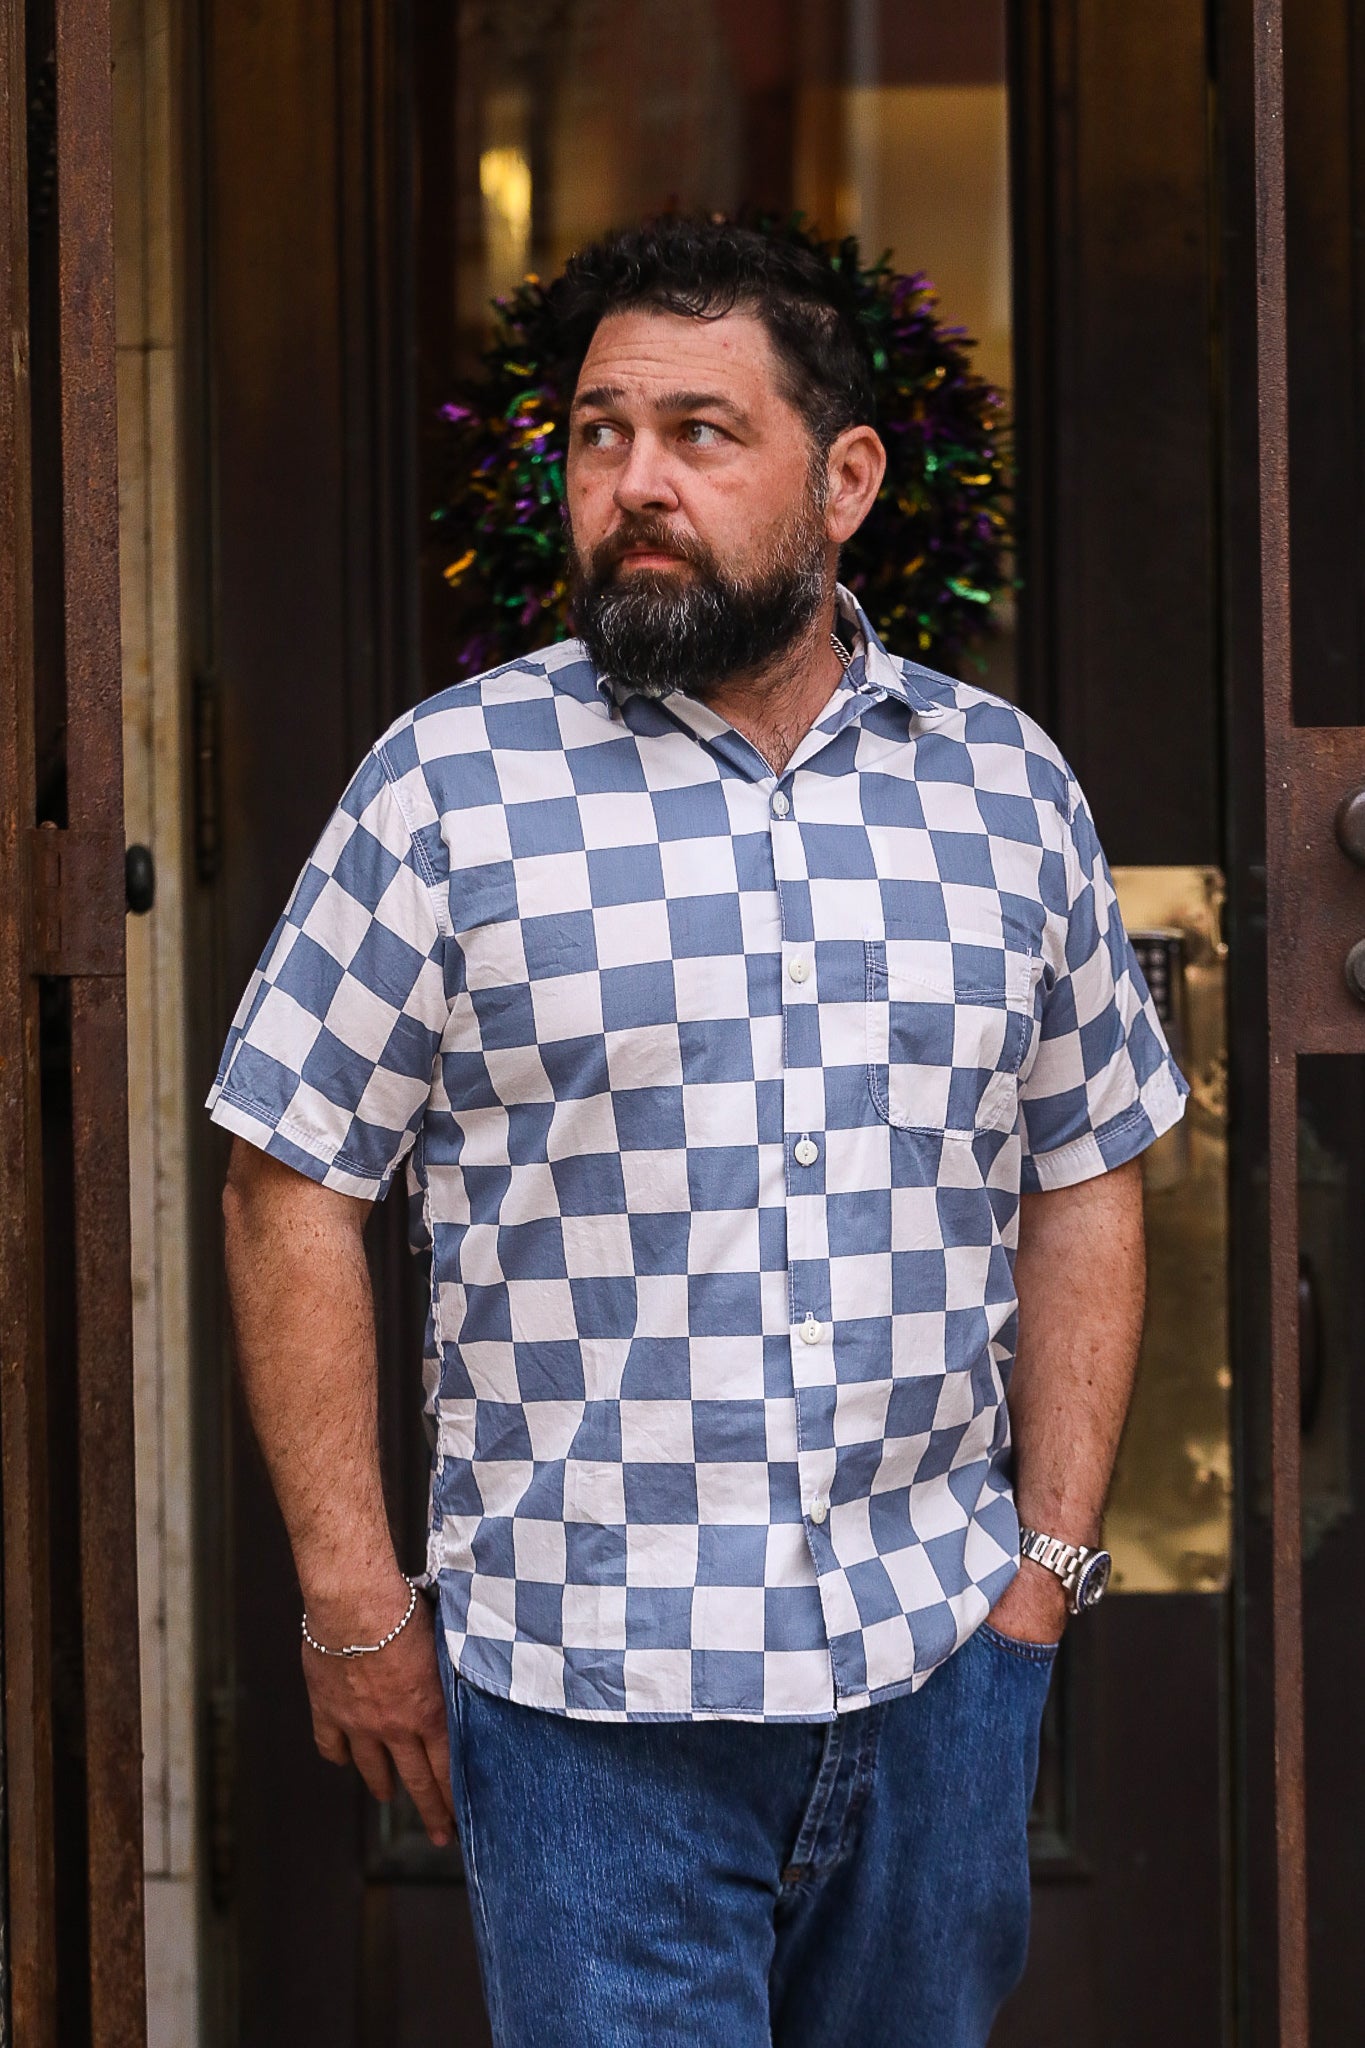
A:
[(949, 1028), (1041, 1654)]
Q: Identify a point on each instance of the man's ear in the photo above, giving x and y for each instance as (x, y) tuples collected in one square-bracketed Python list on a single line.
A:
[(856, 465)]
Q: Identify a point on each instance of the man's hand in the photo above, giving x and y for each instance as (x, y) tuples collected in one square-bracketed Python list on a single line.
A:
[(1032, 1607), (385, 1712)]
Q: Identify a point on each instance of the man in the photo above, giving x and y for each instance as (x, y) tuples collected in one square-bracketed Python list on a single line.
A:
[(753, 1013)]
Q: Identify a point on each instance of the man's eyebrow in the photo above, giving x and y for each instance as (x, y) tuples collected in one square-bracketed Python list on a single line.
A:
[(600, 394), (699, 401), (667, 402)]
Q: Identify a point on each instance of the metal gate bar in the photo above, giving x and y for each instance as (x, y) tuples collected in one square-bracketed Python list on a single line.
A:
[(99, 1045), (29, 1956), (62, 915), (1277, 686), (1306, 994)]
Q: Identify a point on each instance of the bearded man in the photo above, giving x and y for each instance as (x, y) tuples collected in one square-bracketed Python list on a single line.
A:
[(753, 1013)]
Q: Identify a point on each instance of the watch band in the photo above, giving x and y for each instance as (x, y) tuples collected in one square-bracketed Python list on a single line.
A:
[(1067, 1562), (1051, 1552)]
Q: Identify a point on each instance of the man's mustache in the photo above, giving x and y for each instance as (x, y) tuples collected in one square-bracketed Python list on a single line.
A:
[(654, 534)]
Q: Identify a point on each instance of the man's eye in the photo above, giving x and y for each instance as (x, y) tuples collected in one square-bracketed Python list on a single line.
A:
[(600, 434), (702, 434)]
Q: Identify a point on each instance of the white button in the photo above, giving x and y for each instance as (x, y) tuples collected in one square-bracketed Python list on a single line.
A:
[(780, 804), (819, 1509), (807, 1151), (798, 967), (811, 1331)]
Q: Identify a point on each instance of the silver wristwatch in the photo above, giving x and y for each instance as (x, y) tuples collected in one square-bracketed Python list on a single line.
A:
[(1084, 1573)]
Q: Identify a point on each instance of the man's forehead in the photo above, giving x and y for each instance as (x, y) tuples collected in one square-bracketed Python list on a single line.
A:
[(644, 350)]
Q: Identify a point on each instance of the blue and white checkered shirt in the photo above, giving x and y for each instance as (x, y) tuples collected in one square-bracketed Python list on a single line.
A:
[(717, 1090)]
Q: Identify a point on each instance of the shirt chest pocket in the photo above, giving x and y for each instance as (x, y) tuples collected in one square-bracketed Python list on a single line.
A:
[(949, 1029)]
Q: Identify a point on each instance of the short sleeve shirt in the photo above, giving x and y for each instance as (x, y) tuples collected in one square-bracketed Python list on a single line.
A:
[(717, 1091)]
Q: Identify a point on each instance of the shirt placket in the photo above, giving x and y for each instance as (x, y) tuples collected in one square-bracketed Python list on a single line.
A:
[(810, 1325)]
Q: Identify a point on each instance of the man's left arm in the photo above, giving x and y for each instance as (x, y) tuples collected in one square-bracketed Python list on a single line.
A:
[(1080, 1276)]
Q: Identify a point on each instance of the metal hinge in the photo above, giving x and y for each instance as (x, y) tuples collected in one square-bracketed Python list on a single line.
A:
[(77, 902)]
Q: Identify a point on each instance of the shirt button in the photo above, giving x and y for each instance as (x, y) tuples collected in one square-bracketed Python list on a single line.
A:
[(819, 1509), (798, 967), (781, 805), (811, 1331), (807, 1151)]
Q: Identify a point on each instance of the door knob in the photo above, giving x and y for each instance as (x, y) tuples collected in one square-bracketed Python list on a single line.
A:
[(1355, 970), (139, 880), (1350, 825)]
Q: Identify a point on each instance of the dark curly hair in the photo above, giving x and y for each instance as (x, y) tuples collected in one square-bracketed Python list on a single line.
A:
[(704, 268)]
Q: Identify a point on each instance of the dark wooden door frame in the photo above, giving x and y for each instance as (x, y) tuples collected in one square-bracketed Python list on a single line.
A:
[(1115, 408), (62, 928), (1314, 915)]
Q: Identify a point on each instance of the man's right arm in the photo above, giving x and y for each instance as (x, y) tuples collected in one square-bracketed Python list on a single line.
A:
[(304, 1321)]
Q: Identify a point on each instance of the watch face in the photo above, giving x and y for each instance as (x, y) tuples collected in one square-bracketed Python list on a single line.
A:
[(1093, 1580)]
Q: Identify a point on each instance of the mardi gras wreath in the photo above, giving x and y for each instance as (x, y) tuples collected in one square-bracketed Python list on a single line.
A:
[(927, 563)]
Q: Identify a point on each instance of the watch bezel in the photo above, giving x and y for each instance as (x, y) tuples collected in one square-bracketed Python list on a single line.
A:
[(1084, 1592)]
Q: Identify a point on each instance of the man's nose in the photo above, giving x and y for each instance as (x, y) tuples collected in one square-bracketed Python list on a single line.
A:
[(643, 483)]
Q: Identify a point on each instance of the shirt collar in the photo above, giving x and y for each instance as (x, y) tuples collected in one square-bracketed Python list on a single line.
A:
[(883, 674), (874, 671)]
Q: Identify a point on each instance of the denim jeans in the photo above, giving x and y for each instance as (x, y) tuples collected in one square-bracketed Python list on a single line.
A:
[(724, 1884)]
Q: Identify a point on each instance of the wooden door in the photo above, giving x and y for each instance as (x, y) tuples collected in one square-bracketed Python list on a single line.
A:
[(330, 173), (331, 231)]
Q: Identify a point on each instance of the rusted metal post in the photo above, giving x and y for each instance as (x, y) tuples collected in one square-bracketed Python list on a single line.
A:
[(99, 1052), (1284, 764), (29, 1993)]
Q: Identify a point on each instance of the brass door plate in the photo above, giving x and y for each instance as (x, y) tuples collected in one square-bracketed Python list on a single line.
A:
[(1169, 1519)]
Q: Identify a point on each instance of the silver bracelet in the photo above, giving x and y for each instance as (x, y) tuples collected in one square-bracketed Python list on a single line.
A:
[(364, 1649)]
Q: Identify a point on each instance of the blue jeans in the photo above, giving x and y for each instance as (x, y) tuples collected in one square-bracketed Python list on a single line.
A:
[(724, 1884)]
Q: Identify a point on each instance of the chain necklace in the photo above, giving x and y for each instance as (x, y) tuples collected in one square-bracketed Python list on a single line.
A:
[(845, 658)]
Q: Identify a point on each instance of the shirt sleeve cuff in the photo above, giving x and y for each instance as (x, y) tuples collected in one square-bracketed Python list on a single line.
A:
[(292, 1147), (1160, 1106)]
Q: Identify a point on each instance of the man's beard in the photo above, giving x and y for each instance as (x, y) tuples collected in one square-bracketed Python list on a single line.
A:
[(655, 632)]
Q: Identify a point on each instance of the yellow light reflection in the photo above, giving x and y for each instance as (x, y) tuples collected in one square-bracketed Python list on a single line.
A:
[(505, 183)]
